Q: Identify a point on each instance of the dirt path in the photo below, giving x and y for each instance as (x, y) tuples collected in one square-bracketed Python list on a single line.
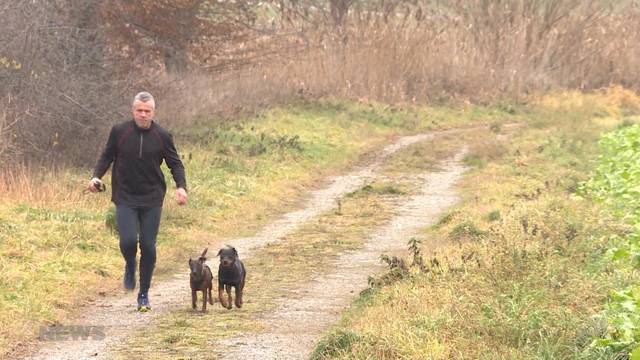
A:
[(117, 317), (292, 330)]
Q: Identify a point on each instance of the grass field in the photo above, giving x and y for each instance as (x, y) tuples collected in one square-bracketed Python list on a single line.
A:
[(519, 270), (521, 273), (55, 240)]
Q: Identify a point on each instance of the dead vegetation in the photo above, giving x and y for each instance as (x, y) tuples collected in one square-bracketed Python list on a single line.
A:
[(69, 66)]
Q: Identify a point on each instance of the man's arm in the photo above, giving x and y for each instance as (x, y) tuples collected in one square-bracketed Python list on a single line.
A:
[(177, 170), (104, 161)]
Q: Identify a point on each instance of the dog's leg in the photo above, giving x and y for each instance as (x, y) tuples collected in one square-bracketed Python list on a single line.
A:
[(223, 301), (204, 300), (210, 296), (230, 303), (194, 298), (238, 296), (239, 291)]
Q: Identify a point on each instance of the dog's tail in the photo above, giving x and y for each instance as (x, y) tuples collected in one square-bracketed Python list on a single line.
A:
[(202, 257)]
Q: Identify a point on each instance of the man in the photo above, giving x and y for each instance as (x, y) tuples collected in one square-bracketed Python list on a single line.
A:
[(137, 148)]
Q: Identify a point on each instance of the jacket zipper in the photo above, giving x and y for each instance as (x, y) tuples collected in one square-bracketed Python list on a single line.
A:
[(140, 155)]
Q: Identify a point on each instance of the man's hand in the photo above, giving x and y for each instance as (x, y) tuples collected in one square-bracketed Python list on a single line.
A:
[(91, 186), (181, 196)]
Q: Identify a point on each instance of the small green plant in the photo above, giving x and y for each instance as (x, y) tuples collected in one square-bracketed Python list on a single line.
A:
[(414, 247), (338, 210), (398, 269), (446, 218), (496, 128), (623, 315), (379, 189), (285, 141), (335, 344), (110, 220), (475, 161), (466, 230), (494, 215)]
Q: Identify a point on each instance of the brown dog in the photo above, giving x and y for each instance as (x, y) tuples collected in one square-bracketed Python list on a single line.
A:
[(231, 273), (201, 280)]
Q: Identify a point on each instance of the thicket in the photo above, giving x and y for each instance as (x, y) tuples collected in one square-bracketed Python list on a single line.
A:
[(70, 67)]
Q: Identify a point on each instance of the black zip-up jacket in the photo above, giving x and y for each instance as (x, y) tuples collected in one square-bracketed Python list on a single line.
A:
[(137, 154)]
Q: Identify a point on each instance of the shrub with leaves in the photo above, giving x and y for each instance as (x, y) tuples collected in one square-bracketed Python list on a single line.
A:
[(616, 181), (616, 184)]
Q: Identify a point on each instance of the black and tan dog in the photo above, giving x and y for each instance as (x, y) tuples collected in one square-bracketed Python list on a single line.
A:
[(201, 280), (231, 273)]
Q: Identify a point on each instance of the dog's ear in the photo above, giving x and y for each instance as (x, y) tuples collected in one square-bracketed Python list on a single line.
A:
[(235, 252), (219, 252), (190, 261), (204, 252)]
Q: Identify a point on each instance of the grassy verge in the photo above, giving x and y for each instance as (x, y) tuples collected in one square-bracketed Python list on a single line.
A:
[(519, 269), (53, 239)]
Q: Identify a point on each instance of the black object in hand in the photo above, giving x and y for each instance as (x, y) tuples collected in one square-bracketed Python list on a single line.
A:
[(99, 185)]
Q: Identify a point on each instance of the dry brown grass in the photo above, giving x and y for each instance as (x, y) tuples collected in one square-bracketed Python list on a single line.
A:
[(475, 50), (421, 52), (40, 185)]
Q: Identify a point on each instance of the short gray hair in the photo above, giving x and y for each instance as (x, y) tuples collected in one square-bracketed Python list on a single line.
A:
[(144, 97)]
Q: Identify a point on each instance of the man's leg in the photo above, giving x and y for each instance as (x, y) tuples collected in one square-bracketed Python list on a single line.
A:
[(127, 220), (149, 224)]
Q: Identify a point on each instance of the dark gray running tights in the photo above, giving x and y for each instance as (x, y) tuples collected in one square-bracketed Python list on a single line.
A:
[(146, 221)]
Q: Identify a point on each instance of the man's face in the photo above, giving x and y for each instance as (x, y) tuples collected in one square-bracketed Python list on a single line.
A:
[(143, 113)]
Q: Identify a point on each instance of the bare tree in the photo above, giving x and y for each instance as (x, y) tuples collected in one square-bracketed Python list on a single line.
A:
[(60, 91)]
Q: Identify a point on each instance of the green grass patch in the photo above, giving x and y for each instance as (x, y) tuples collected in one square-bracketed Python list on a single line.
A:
[(376, 188), (335, 343)]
